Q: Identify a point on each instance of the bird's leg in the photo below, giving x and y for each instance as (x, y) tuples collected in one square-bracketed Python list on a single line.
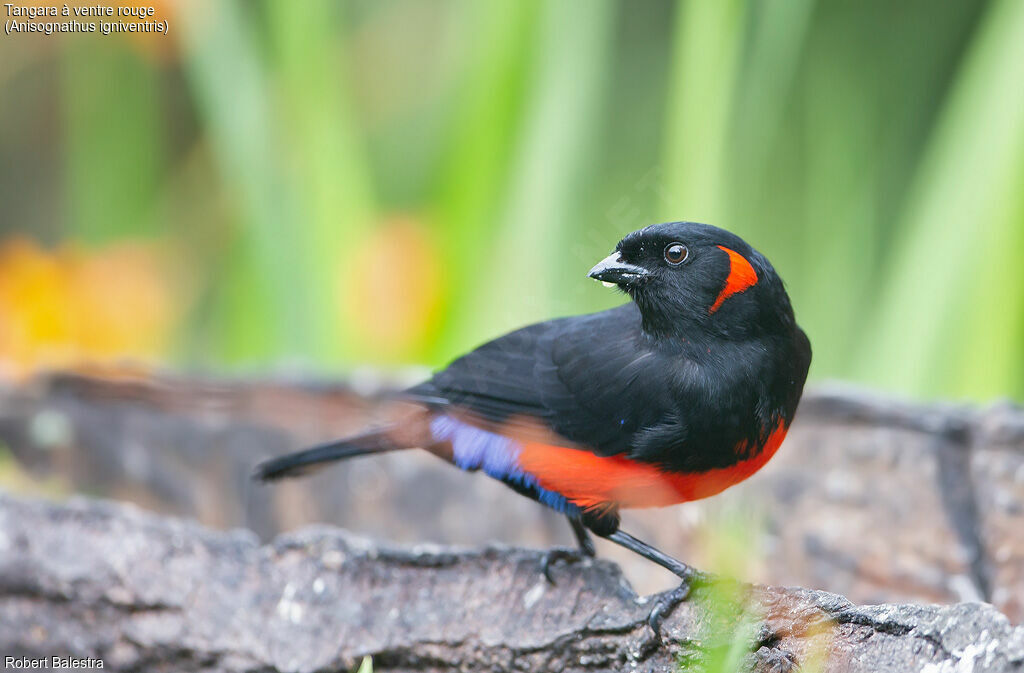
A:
[(583, 539), (668, 601), (586, 549), (676, 567)]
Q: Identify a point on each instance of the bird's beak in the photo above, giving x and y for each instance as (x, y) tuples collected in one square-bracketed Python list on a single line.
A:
[(612, 269)]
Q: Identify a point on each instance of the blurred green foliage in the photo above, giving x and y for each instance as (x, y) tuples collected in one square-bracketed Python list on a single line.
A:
[(295, 156), (731, 614), (731, 620)]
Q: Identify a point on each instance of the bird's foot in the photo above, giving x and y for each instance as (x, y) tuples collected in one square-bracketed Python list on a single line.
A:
[(552, 556), (668, 602)]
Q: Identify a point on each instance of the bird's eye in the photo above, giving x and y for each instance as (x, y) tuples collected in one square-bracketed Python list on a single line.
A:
[(676, 253)]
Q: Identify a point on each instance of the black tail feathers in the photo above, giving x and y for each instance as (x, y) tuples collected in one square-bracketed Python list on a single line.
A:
[(307, 460)]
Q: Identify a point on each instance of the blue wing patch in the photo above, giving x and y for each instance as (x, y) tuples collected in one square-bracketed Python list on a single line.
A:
[(498, 456)]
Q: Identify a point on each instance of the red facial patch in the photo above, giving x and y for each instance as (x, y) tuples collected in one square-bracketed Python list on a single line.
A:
[(594, 481), (741, 276)]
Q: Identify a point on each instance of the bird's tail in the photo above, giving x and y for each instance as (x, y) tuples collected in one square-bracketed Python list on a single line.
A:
[(307, 460)]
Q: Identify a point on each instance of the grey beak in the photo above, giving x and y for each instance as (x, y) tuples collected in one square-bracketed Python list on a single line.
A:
[(612, 269)]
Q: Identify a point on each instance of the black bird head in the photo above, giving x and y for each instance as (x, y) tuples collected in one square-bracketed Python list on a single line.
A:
[(685, 274)]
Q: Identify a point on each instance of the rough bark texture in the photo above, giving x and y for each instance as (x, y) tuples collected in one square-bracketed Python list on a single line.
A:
[(876, 499), (146, 593), (879, 500)]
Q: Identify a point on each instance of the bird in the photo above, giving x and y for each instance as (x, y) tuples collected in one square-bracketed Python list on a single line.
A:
[(684, 390)]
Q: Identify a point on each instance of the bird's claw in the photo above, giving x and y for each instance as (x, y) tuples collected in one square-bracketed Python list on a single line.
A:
[(559, 554), (665, 604)]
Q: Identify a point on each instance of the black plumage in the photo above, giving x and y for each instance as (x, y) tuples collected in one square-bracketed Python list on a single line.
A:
[(697, 375)]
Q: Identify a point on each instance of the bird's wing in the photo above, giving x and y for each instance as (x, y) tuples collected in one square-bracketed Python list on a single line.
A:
[(591, 382)]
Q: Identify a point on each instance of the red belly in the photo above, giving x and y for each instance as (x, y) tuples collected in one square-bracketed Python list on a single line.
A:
[(593, 481)]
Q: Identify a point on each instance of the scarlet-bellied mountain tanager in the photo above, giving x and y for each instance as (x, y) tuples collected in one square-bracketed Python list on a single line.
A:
[(674, 396)]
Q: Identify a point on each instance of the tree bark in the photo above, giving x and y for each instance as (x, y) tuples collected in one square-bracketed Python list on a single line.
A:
[(879, 499), (148, 593)]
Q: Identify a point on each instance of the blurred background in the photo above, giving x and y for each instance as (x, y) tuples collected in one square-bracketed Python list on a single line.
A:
[(309, 191), (312, 186)]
